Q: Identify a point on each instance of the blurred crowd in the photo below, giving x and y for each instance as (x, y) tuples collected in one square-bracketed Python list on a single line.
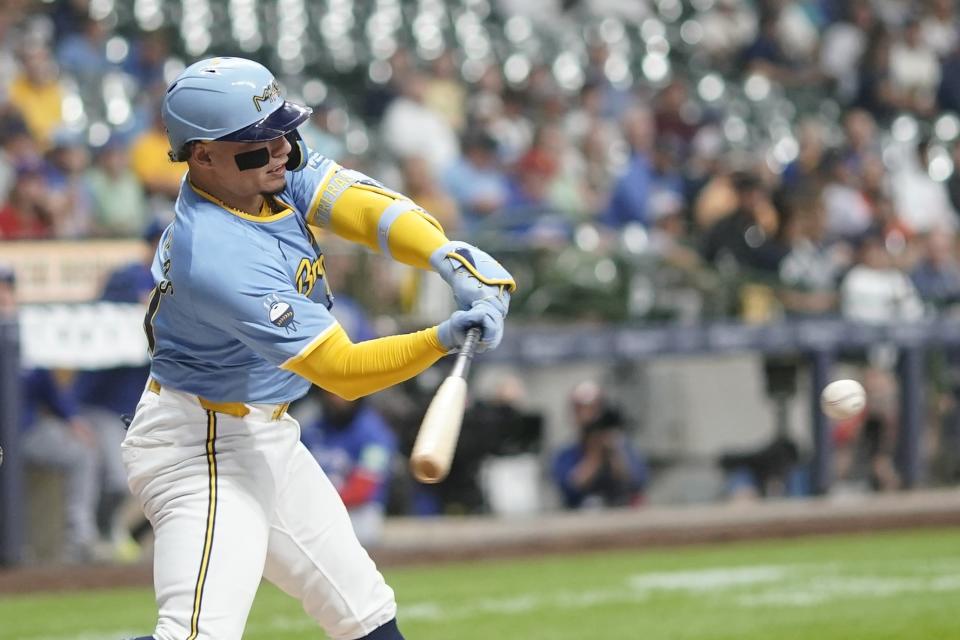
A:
[(797, 155), (805, 146)]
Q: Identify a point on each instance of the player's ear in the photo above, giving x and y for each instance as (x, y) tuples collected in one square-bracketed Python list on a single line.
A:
[(200, 154)]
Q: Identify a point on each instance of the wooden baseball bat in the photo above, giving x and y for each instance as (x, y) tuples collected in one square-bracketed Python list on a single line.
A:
[(440, 429)]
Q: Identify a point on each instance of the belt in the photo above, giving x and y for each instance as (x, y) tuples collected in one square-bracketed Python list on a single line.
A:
[(235, 409)]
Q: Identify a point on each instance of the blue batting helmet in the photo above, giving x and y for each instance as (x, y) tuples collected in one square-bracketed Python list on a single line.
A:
[(227, 99)]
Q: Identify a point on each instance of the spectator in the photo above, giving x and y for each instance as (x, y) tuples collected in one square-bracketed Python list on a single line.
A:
[(631, 192), (116, 391), (485, 102), (843, 45), (83, 54), (37, 92), (445, 93), (120, 204), (765, 55), (54, 436), (805, 172), (587, 116), (380, 95), (938, 27), (937, 276), (529, 195), (728, 27), (798, 29), (70, 199), (421, 186), (319, 135), (922, 203), (476, 181), (874, 291), (810, 272), (17, 147), (410, 127), (511, 128), (616, 99), (668, 234), (914, 69), (355, 447), (567, 191), (848, 211), (27, 214), (149, 53), (860, 140), (876, 91), (601, 469), (150, 163), (747, 239), (596, 150), (676, 119)]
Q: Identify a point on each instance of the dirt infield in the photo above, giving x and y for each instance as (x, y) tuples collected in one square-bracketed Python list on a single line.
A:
[(416, 541)]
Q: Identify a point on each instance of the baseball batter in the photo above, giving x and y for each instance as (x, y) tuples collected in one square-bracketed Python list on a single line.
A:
[(239, 325)]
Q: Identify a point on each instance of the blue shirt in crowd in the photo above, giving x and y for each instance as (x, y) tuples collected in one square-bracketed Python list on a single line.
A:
[(118, 389), (365, 444), (41, 391)]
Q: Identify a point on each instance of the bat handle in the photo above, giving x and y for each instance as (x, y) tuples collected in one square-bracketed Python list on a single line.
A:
[(461, 367)]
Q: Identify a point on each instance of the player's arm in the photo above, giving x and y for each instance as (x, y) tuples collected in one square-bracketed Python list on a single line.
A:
[(351, 370), (361, 210)]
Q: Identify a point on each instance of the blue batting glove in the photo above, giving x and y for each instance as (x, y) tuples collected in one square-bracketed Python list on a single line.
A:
[(453, 331), (474, 275)]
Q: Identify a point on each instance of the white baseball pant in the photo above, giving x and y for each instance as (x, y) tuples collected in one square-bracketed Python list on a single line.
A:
[(233, 499)]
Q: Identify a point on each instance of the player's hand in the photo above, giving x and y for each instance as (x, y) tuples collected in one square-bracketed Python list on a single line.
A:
[(453, 331), (474, 276)]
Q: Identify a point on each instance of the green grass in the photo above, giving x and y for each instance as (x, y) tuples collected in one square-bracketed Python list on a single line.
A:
[(902, 586)]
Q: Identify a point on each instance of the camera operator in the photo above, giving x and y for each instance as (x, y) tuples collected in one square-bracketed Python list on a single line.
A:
[(602, 469)]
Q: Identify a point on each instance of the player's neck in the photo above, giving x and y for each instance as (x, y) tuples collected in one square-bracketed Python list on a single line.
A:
[(250, 205)]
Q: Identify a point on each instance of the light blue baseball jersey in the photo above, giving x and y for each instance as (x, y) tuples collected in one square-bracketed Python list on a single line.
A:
[(239, 295)]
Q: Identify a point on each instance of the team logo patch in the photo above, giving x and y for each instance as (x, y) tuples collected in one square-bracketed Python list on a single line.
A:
[(280, 313), (270, 93)]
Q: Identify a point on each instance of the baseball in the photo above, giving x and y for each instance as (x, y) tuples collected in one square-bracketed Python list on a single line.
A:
[(842, 399)]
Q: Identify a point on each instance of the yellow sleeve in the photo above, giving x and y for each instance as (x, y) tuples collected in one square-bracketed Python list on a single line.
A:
[(352, 370), (387, 222)]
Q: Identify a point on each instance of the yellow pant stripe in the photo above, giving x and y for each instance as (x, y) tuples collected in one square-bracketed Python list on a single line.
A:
[(211, 522)]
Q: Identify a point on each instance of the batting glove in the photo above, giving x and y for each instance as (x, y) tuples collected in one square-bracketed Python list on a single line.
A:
[(474, 275), (453, 331)]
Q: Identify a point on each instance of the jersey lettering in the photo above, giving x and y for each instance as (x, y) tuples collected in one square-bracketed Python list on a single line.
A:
[(308, 273)]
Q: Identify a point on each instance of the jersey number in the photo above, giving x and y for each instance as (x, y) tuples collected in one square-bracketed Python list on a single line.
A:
[(153, 305)]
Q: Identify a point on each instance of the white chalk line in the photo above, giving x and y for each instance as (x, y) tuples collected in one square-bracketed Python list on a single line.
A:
[(799, 585)]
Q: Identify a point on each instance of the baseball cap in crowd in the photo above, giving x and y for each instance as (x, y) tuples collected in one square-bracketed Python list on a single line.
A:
[(7, 274)]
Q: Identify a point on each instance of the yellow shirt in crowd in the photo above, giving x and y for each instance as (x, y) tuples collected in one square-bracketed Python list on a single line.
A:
[(148, 158), (40, 105)]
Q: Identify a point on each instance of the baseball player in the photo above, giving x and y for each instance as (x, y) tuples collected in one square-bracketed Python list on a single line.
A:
[(239, 325)]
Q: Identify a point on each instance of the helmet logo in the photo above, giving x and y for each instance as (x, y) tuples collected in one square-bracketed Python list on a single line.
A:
[(270, 93)]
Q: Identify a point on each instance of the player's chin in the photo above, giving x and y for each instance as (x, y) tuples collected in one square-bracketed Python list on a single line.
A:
[(274, 185)]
